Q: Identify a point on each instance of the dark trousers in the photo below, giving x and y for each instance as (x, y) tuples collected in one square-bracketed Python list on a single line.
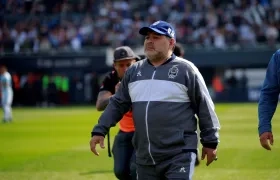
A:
[(179, 167), (124, 156)]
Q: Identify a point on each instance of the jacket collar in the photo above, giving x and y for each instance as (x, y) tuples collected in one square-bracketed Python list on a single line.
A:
[(167, 61)]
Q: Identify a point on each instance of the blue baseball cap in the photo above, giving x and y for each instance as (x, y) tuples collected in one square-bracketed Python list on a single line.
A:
[(160, 27)]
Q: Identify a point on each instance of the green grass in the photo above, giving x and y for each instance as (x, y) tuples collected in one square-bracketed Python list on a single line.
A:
[(54, 144)]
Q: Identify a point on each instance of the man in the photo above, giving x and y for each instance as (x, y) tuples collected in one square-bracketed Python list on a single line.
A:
[(165, 92), (123, 151), (268, 100), (179, 51), (6, 93)]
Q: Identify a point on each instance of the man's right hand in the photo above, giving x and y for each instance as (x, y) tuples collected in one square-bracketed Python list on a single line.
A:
[(117, 86), (96, 140), (264, 138)]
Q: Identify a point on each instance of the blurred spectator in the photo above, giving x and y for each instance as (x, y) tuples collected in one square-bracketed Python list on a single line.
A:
[(271, 34), (43, 25)]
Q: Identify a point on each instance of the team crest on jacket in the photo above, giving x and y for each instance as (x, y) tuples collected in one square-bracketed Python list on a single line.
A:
[(173, 72)]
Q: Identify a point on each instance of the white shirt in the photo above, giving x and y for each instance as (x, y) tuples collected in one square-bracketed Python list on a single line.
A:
[(6, 84)]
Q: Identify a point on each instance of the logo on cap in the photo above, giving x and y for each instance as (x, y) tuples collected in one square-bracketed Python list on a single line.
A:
[(123, 53), (170, 32)]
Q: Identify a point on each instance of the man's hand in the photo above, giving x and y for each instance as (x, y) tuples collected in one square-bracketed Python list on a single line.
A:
[(117, 86), (264, 138), (96, 140), (210, 153)]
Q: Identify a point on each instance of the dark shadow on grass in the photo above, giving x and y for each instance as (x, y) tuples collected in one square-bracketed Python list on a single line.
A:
[(96, 172)]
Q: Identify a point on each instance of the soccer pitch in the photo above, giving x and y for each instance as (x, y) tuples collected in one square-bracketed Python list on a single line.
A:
[(53, 144)]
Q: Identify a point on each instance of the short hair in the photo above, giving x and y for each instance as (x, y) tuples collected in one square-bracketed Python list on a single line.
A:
[(178, 50)]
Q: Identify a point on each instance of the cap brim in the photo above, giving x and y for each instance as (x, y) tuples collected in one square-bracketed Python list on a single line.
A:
[(135, 57), (144, 31)]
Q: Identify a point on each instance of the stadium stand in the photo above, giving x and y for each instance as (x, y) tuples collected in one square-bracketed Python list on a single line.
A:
[(42, 25)]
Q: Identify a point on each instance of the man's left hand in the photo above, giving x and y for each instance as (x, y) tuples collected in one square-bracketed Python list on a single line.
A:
[(210, 153), (117, 86)]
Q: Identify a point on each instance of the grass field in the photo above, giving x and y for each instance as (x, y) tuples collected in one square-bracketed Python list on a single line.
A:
[(54, 144)]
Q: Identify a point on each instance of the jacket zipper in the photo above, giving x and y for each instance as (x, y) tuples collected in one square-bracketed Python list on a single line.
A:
[(147, 128)]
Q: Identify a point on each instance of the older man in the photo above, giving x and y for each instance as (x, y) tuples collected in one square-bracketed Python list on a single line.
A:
[(165, 93)]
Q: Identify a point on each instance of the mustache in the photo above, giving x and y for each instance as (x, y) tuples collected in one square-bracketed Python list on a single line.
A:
[(149, 47)]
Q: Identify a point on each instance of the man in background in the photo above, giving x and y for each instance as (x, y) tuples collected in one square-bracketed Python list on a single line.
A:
[(179, 50), (123, 151), (6, 93), (268, 101)]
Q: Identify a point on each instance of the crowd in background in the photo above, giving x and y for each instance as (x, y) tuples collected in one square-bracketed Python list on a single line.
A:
[(43, 25)]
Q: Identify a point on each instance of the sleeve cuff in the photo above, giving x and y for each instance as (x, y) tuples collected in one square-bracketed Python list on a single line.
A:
[(210, 145), (264, 128), (97, 134)]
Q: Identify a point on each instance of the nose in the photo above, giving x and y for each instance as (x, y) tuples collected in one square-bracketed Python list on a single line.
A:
[(149, 44)]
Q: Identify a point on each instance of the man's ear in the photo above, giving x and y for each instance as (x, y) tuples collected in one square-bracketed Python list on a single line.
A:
[(172, 42)]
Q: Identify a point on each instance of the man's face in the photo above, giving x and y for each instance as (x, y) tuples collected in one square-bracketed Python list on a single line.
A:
[(156, 45), (2, 70), (122, 66)]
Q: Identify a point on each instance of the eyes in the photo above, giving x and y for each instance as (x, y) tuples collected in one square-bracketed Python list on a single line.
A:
[(124, 65)]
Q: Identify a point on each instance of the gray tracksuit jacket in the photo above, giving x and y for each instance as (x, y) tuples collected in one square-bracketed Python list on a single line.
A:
[(164, 103)]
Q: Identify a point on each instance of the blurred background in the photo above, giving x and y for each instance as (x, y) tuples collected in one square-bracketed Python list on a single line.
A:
[(59, 50)]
